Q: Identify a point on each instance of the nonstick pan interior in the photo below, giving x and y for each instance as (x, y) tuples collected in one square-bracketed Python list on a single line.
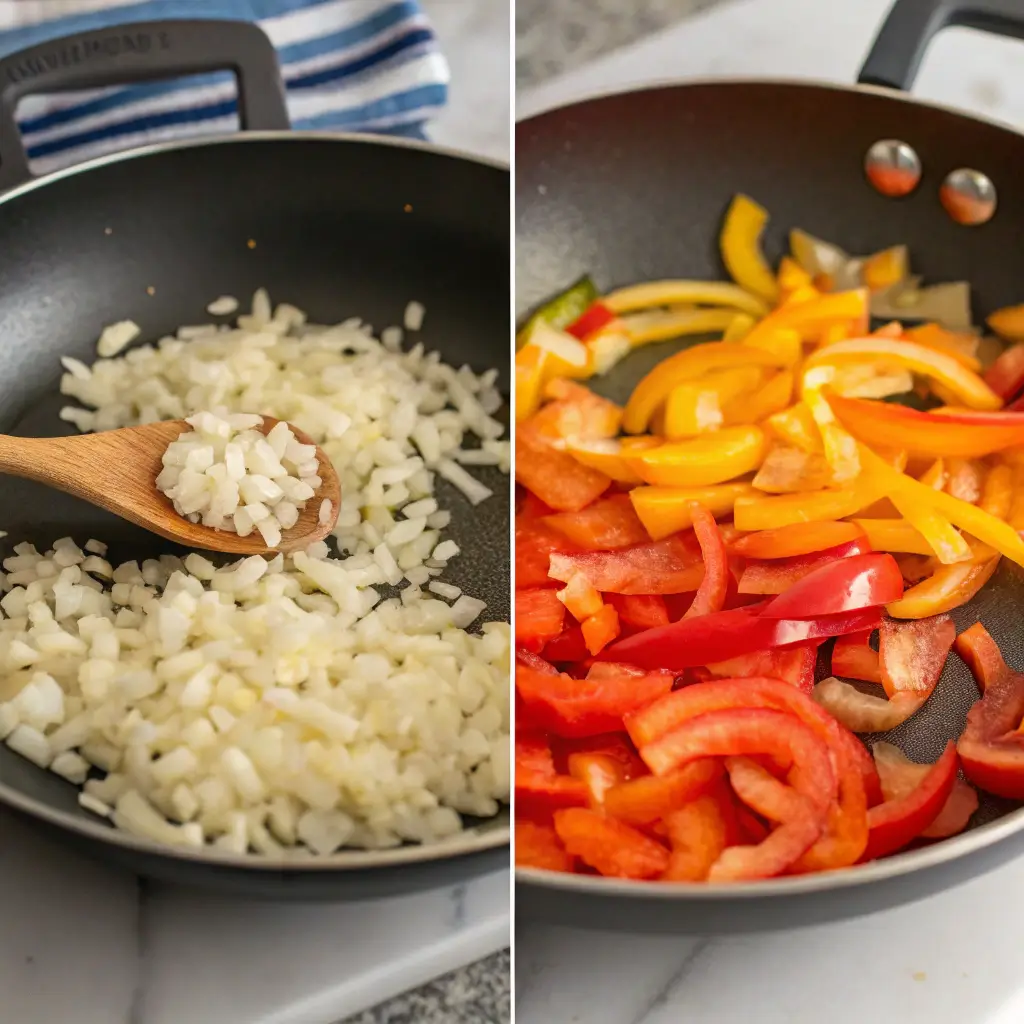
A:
[(633, 187), (337, 227)]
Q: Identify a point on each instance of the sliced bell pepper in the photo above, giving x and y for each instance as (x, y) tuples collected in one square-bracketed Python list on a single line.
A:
[(791, 276), (772, 397), (946, 542), (575, 411), (1008, 322), (762, 792), (970, 518), (598, 772), (949, 587), (586, 707), (783, 342), (667, 510), (644, 800), (962, 347), (613, 746), (815, 313), (740, 244), (565, 356), (787, 470), (565, 307), (539, 618), (534, 661), (895, 823), (728, 634), (866, 712), (676, 292), (840, 447), (534, 545), (699, 831), (702, 461), (539, 789), (844, 585), (610, 847), (596, 317), (853, 657), (691, 409), (935, 475), (750, 514), (529, 506), (900, 777), (916, 568), (969, 388), (733, 383), (608, 455), (794, 665), (886, 268), (893, 535), (530, 377), (714, 587), (566, 648), (777, 575), (683, 367), (607, 524), (796, 426), (1006, 375), (798, 539), (963, 435), (669, 566), (643, 610), (600, 629), (538, 846), (982, 655), (581, 600), (679, 322), (554, 476), (739, 327), (608, 348), (966, 480), (913, 654)]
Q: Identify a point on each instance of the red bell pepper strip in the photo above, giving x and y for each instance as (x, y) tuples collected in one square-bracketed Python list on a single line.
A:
[(669, 566), (895, 823), (614, 746), (534, 661), (607, 524), (1006, 375), (539, 788), (535, 543), (566, 648), (846, 585), (794, 665), (586, 707), (611, 847), (853, 657), (647, 799), (643, 610), (598, 772), (554, 476), (596, 317), (539, 618), (714, 587), (777, 575), (960, 434), (982, 655), (762, 792), (529, 506), (722, 635), (538, 846), (912, 654), (796, 539), (699, 832), (900, 776)]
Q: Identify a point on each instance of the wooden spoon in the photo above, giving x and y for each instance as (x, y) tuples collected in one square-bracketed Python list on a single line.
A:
[(117, 470)]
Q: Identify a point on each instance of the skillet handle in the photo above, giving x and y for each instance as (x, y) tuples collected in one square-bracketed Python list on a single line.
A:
[(901, 43), (141, 52)]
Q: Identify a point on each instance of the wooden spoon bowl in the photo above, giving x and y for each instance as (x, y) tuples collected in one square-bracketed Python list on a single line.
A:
[(117, 470)]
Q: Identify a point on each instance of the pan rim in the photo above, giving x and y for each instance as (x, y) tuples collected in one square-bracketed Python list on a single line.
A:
[(477, 840), (808, 84)]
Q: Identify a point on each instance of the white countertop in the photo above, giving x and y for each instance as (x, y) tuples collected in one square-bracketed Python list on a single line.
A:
[(957, 958)]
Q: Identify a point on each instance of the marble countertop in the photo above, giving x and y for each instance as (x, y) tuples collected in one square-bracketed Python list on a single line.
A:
[(955, 958)]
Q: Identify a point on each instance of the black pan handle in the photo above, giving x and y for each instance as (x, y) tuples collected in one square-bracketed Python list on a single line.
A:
[(901, 43), (141, 52)]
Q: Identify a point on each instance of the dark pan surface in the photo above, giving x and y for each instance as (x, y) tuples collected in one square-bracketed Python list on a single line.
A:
[(633, 187), (342, 227)]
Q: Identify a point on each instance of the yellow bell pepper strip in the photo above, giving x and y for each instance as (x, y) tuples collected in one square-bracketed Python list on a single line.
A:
[(608, 348), (708, 459), (530, 366), (567, 356), (968, 387), (817, 313), (607, 456), (683, 367), (666, 324), (674, 293), (834, 333), (839, 446), (787, 470), (867, 380), (796, 426), (739, 327), (1008, 322), (791, 276), (946, 542), (997, 491), (564, 308), (667, 510), (894, 535), (962, 347), (970, 518), (740, 244), (935, 475), (750, 514), (691, 409), (734, 383), (772, 397), (948, 587), (1015, 517), (782, 341), (885, 268)]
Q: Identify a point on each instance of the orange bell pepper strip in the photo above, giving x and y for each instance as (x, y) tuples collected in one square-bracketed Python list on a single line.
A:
[(885, 268), (538, 846), (796, 426), (600, 629), (581, 600), (786, 509), (740, 245), (708, 459), (983, 657), (961, 434), (1015, 517), (781, 341), (647, 799), (1008, 322), (691, 409), (791, 276), (817, 313), (608, 456), (962, 347), (964, 479), (684, 367), (678, 292), (997, 492), (973, 520), (894, 535), (739, 327), (665, 324), (667, 510), (935, 475), (611, 847), (531, 361), (968, 387), (772, 397), (788, 470), (731, 384), (948, 587), (575, 411), (798, 539), (699, 833)]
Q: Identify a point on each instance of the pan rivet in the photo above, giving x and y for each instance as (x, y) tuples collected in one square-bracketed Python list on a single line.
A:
[(893, 168), (968, 196)]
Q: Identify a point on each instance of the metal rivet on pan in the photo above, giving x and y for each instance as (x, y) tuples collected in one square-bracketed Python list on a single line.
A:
[(892, 167), (968, 196)]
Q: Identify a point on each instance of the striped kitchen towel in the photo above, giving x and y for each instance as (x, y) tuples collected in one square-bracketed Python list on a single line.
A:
[(353, 65)]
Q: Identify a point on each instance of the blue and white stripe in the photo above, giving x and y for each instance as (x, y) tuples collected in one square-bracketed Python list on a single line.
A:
[(356, 65)]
